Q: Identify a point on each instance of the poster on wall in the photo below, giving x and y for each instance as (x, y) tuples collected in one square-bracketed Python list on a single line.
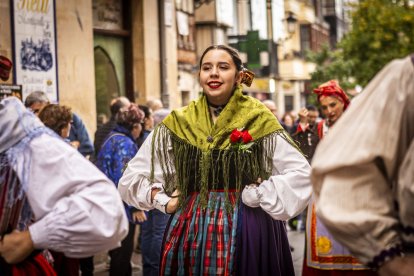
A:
[(9, 90), (34, 43)]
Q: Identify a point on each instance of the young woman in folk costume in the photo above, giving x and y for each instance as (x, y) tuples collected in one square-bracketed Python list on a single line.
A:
[(324, 255), (229, 174)]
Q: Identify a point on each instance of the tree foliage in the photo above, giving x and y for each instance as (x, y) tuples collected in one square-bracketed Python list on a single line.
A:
[(381, 30), (330, 64)]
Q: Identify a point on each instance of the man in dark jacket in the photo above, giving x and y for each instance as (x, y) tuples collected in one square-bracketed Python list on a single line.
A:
[(306, 135)]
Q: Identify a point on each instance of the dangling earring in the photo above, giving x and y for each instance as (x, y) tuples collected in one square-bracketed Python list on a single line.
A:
[(247, 77)]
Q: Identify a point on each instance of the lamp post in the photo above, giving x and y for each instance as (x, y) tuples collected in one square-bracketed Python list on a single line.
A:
[(291, 23)]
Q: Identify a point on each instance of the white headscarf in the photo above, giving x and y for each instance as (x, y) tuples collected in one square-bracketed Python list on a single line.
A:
[(15, 123)]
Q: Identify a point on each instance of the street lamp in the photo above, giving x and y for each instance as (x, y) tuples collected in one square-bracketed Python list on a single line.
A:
[(291, 23)]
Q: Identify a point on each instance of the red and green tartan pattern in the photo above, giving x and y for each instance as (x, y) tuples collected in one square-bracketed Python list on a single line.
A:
[(10, 205), (201, 242)]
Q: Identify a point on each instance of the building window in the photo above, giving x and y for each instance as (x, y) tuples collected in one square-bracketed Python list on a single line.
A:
[(185, 24), (305, 39), (328, 8)]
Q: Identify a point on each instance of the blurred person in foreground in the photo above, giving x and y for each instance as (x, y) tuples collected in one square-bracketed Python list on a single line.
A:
[(56, 199), (59, 119), (363, 173), (77, 136), (324, 255)]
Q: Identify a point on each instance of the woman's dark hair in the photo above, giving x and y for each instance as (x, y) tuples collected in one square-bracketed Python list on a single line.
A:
[(311, 107), (146, 109), (130, 117), (231, 51), (56, 117)]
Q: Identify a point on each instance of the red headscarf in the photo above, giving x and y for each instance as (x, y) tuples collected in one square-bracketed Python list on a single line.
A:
[(332, 89)]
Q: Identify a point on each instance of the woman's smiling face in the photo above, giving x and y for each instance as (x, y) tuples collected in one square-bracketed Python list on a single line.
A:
[(218, 76)]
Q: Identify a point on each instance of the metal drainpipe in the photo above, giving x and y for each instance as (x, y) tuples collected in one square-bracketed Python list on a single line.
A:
[(165, 97)]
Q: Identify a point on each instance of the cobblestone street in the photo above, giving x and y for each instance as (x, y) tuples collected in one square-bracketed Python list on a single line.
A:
[(296, 240)]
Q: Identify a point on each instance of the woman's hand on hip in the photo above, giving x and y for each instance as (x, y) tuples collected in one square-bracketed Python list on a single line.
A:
[(173, 203)]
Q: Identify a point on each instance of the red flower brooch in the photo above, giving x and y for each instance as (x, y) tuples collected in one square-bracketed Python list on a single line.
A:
[(241, 139)]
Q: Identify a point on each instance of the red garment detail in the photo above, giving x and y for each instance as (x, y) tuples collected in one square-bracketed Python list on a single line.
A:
[(33, 266), (300, 129), (332, 89), (320, 129)]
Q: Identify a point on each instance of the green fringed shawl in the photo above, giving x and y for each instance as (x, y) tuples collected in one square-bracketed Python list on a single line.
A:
[(194, 137)]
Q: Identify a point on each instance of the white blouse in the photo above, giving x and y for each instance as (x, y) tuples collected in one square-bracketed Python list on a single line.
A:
[(77, 209), (285, 194)]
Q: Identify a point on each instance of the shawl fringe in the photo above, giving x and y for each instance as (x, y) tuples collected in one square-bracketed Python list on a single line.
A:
[(179, 159)]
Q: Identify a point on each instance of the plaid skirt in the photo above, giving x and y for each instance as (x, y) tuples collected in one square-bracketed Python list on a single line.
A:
[(212, 241)]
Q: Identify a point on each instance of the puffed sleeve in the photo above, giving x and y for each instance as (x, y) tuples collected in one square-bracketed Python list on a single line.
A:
[(77, 210), (135, 186), (287, 192), (355, 167)]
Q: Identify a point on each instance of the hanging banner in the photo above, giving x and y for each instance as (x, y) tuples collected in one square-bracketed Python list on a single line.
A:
[(34, 41)]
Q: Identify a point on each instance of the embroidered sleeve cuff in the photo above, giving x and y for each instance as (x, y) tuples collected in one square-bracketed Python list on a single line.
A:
[(385, 256), (160, 201), (153, 187), (251, 196)]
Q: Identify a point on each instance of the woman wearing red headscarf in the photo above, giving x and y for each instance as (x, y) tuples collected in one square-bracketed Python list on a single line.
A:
[(324, 255), (333, 102)]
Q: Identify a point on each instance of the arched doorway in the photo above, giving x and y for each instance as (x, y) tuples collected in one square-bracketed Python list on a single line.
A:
[(106, 81)]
